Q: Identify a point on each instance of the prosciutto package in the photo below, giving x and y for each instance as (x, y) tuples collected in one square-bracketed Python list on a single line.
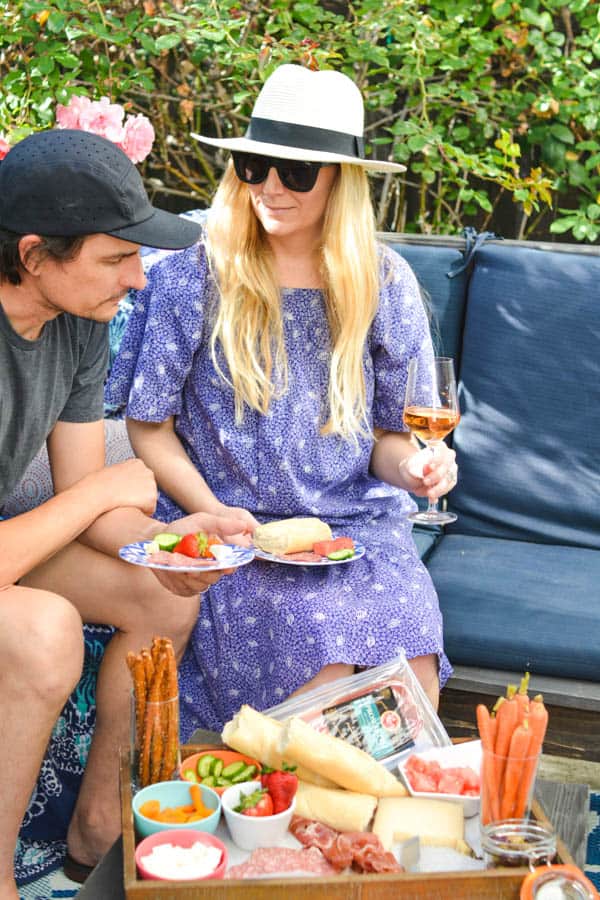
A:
[(383, 711)]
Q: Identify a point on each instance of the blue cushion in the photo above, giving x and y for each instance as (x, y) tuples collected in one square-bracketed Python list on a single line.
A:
[(445, 296), (425, 539), (519, 606), (528, 443)]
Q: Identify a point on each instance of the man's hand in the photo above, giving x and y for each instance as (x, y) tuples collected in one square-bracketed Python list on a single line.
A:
[(126, 484)]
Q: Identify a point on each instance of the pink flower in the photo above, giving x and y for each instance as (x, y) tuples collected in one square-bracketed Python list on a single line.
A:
[(69, 116), (104, 118), (138, 138), (4, 147), (134, 137)]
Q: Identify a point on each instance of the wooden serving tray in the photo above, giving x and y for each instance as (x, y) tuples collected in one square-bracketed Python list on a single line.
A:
[(491, 884)]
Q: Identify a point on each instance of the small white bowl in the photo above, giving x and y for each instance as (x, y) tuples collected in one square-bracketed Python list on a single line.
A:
[(250, 832), (455, 755)]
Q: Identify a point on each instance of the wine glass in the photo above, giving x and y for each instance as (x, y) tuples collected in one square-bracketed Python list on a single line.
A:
[(431, 412)]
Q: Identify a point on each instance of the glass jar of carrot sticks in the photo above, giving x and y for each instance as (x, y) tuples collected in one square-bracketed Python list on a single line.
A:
[(512, 735), (155, 713)]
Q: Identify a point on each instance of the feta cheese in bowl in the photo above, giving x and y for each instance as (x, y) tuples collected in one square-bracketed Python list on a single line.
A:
[(182, 855)]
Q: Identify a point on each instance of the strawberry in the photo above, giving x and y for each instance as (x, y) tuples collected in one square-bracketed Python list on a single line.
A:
[(281, 785), (258, 803)]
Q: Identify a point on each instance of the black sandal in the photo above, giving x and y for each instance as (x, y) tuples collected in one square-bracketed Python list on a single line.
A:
[(76, 871)]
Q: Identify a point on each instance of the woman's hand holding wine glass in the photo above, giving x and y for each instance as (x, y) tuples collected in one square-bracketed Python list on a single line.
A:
[(431, 413)]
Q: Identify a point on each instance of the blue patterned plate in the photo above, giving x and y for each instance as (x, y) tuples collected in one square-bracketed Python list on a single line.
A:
[(237, 556), (359, 551)]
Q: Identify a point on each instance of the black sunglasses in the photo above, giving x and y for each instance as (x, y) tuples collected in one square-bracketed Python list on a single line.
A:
[(295, 175)]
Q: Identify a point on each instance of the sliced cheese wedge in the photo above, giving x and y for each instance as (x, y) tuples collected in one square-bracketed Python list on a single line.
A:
[(435, 822)]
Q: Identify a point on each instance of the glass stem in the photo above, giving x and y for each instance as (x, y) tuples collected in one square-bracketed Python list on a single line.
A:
[(432, 505)]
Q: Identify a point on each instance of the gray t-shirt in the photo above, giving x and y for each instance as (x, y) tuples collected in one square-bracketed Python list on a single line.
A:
[(60, 376)]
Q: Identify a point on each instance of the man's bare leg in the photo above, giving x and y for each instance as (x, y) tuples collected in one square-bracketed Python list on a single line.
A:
[(106, 590), (41, 654)]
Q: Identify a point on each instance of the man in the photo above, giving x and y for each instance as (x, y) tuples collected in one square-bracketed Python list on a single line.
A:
[(73, 214)]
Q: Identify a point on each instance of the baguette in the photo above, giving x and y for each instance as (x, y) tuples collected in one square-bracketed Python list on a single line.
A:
[(342, 810), (336, 759), (258, 736), (290, 535)]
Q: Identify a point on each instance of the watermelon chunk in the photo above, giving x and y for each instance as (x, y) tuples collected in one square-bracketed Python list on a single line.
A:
[(324, 548)]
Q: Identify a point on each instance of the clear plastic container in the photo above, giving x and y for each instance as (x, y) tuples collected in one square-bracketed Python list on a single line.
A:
[(517, 842)]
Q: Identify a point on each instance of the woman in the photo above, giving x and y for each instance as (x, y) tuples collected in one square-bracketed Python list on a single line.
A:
[(265, 372)]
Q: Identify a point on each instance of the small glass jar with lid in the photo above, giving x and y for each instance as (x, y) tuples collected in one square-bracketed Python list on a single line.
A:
[(517, 842), (562, 882)]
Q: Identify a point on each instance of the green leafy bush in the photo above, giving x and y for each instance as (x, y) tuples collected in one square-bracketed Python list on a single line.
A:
[(494, 107)]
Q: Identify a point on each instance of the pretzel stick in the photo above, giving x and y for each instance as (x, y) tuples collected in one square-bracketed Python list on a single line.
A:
[(172, 729), (148, 664), (136, 667), (156, 697)]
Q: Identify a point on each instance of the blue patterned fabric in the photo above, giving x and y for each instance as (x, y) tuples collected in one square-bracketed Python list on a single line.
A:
[(592, 865), (41, 846), (267, 629)]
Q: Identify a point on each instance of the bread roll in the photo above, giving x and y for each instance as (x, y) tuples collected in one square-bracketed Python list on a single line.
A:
[(337, 760), (291, 535), (342, 810), (257, 735)]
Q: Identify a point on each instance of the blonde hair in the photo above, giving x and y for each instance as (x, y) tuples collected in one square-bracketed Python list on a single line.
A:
[(248, 323)]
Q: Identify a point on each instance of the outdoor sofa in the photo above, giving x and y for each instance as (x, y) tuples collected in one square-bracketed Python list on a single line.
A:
[(518, 573)]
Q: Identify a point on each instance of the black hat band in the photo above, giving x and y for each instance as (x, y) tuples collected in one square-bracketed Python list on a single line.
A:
[(305, 137)]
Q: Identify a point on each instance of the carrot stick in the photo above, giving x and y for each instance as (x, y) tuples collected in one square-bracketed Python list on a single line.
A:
[(517, 753), (489, 785), (507, 719), (538, 722), (522, 697)]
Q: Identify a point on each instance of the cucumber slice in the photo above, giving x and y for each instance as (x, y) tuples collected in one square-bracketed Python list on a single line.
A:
[(217, 768), (166, 540), (209, 781), (190, 775), (233, 769), (205, 765), (340, 554), (223, 782), (247, 774)]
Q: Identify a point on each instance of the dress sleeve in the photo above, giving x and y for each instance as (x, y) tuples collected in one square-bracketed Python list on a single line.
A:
[(400, 331), (163, 333)]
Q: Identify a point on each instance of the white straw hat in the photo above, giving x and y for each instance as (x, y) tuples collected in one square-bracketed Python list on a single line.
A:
[(306, 115)]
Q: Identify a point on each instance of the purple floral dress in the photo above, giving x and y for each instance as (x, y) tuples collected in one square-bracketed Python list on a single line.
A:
[(269, 628)]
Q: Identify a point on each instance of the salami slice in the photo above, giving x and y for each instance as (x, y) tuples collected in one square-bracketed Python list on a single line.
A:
[(312, 834), (273, 861), (165, 558)]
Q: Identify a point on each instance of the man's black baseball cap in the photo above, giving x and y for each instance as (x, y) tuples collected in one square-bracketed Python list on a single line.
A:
[(68, 182)]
